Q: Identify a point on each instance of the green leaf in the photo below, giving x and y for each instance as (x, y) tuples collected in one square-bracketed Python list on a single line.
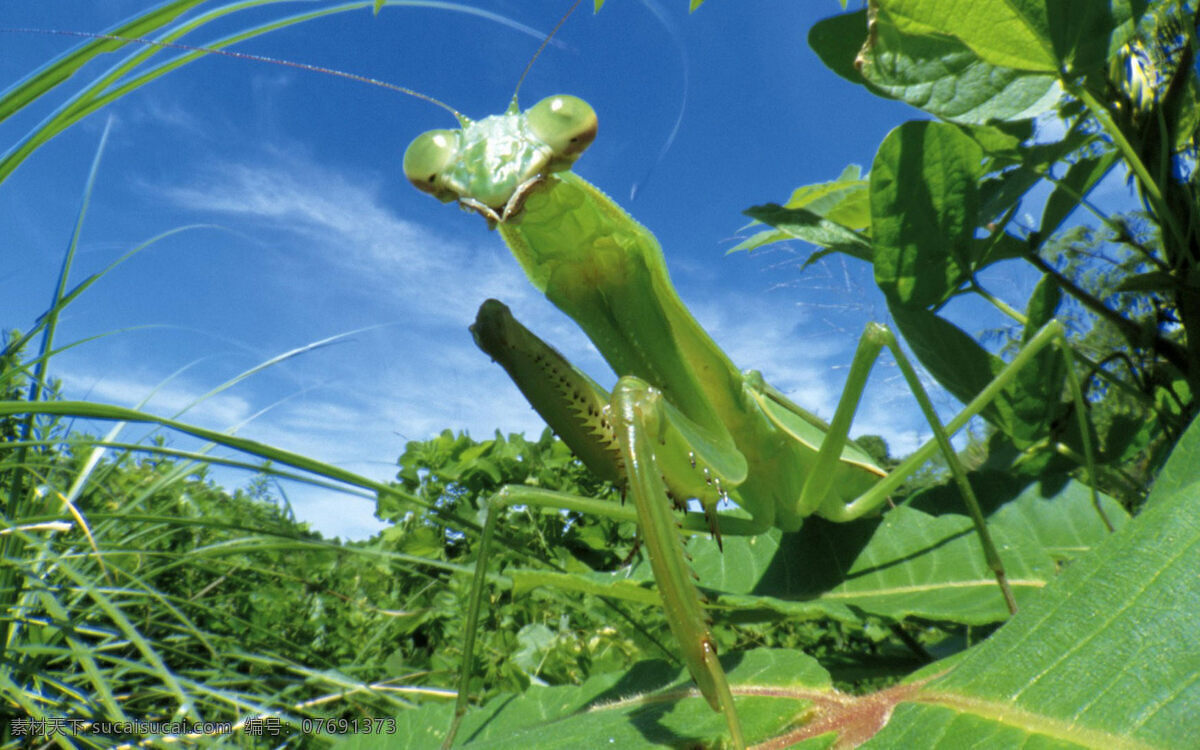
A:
[(1001, 193), (1043, 304), (1062, 519), (837, 41), (1031, 35), (910, 564), (1087, 32), (828, 214), (1042, 380), (802, 224), (760, 239), (1181, 476), (1151, 281), (536, 640), (1081, 177), (1185, 114), (845, 201), (1003, 141), (924, 209), (1003, 247), (1104, 658), (1009, 33), (654, 705), (943, 76)]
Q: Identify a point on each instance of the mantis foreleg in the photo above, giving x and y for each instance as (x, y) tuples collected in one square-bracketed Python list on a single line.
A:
[(638, 439), (641, 417)]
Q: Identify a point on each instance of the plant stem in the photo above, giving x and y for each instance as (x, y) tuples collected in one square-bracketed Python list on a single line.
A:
[(1131, 158), (1134, 333)]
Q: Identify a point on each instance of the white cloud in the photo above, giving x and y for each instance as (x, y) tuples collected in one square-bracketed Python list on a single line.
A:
[(335, 514), (347, 224)]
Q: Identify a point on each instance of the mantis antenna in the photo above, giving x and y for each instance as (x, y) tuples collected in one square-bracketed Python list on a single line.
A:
[(542, 46), (546, 40), (248, 56), (661, 17)]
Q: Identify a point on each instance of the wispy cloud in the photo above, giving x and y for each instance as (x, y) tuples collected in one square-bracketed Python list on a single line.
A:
[(347, 223)]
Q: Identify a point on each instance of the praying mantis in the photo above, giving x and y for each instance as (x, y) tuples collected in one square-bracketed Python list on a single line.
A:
[(682, 422)]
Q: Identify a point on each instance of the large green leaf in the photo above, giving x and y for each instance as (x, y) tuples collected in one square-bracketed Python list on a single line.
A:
[(909, 564), (924, 209), (1105, 658), (944, 77), (1011, 33), (912, 564), (653, 705), (1076, 36)]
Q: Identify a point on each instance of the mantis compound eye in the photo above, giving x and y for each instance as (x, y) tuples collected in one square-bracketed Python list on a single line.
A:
[(567, 124), (427, 157)]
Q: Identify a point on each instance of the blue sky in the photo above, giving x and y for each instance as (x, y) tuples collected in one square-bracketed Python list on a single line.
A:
[(313, 231)]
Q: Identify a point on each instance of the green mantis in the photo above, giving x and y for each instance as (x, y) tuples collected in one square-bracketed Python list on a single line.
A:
[(682, 421)]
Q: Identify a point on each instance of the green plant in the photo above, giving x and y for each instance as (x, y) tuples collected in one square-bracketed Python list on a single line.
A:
[(134, 600)]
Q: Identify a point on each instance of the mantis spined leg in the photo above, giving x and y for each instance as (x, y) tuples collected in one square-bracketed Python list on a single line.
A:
[(683, 422)]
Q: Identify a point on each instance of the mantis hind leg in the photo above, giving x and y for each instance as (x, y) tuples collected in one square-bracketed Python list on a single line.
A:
[(816, 497)]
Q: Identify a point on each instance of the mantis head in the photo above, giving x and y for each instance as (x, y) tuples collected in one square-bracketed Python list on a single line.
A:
[(489, 165)]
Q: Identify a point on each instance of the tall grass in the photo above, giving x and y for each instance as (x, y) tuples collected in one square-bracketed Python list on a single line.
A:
[(132, 589)]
